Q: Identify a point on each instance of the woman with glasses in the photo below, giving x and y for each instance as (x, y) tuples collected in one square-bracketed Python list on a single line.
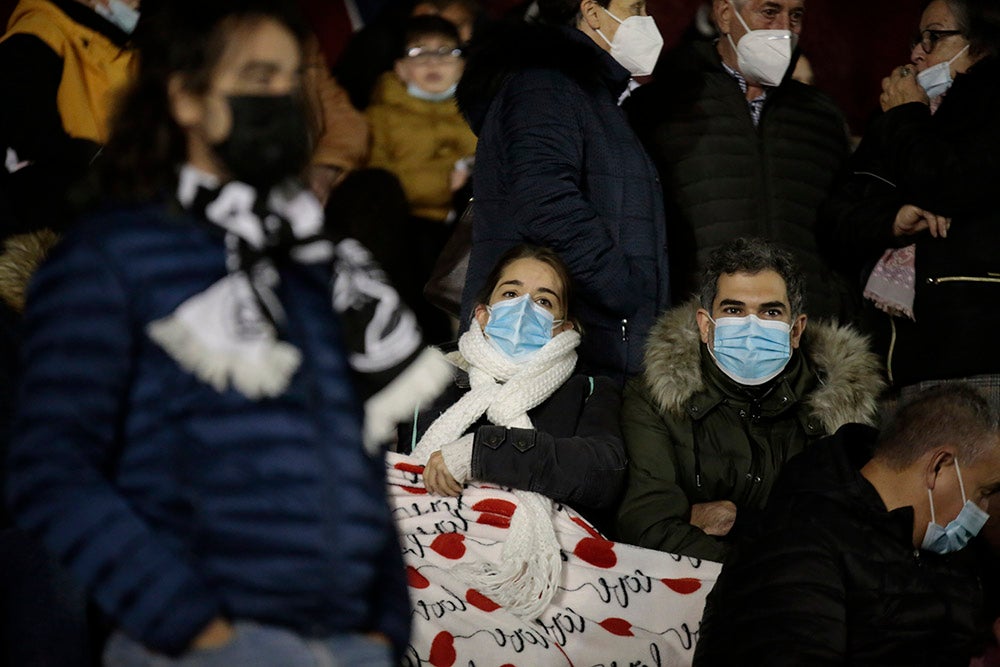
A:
[(918, 215)]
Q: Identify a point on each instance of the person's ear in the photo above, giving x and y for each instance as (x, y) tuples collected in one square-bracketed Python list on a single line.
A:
[(399, 67), (704, 324), (482, 315), (938, 459), (798, 327), (185, 107), (722, 12), (565, 326), (590, 13)]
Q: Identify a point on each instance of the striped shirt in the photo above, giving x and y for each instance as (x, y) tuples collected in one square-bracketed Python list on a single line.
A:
[(756, 105)]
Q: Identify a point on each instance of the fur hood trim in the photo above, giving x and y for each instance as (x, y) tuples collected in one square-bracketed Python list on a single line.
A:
[(500, 53), (849, 372), (21, 256)]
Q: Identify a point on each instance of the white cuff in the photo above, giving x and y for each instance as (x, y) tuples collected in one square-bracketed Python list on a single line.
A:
[(457, 457)]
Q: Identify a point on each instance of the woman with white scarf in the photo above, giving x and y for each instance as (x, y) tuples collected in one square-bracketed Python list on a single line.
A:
[(518, 416)]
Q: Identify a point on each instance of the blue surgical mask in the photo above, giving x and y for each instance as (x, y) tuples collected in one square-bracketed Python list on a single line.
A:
[(750, 350), (959, 530), (120, 14), (519, 327), (416, 91), (936, 80)]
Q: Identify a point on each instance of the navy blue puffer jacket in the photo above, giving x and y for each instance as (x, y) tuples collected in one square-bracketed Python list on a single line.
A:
[(557, 165), (175, 503)]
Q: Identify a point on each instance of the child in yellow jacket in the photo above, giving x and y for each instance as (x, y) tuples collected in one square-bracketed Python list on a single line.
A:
[(417, 132)]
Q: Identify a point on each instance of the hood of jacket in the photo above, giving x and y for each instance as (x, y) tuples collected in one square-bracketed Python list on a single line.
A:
[(850, 378), (19, 258), (507, 49)]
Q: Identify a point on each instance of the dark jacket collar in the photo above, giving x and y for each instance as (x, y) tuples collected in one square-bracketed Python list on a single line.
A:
[(506, 50)]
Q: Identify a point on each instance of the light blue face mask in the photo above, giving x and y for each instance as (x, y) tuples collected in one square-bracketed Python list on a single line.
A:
[(936, 80), (960, 530), (750, 350), (416, 91), (519, 327), (120, 14)]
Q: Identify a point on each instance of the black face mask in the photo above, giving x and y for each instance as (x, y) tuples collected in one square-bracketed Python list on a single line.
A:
[(268, 141)]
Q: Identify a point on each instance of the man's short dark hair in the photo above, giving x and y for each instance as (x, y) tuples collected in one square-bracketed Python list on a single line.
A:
[(753, 255), (562, 12), (953, 413)]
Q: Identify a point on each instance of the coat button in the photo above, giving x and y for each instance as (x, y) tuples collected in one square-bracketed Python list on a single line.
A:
[(784, 399), (743, 413), (492, 440)]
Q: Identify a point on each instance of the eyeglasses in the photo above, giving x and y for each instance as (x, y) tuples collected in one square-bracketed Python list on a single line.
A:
[(423, 54), (928, 39)]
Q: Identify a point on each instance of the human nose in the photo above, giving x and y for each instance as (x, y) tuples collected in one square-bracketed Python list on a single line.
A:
[(917, 55)]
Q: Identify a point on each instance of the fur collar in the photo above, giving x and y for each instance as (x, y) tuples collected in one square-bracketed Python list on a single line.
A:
[(849, 372), (20, 257), (508, 49)]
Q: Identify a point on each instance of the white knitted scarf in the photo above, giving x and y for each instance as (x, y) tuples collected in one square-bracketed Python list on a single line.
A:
[(526, 579)]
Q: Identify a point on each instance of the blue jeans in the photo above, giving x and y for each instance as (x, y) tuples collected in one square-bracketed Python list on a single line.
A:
[(256, 645)]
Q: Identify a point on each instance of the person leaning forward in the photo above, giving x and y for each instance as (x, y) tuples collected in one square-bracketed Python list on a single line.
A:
[(731, 390), (860, 557)]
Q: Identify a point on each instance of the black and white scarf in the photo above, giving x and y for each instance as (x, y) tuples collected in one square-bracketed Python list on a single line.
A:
[(229, 336)]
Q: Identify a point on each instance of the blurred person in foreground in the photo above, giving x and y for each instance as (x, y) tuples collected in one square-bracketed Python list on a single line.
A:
[(189, 435), (916, 216), (860, 557)]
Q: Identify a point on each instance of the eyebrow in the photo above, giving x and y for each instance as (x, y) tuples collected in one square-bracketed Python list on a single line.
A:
[(773, 304), (518, 283), (731, 302)]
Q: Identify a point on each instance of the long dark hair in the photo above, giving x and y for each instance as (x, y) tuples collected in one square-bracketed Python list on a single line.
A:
[(174, 37)]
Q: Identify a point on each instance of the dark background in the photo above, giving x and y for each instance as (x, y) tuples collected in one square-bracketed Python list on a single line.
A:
[(852, 44)]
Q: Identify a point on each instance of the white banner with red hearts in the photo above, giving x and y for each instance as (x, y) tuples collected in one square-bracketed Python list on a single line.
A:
[(617, 604)]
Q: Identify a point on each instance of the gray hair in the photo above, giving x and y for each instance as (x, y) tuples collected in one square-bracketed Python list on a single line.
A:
[(952, 413), (979, 22), (752, 255)]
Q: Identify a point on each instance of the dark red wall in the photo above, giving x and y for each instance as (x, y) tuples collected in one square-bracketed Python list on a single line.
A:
[(852, 44)]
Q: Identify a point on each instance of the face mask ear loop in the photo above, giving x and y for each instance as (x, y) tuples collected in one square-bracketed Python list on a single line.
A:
[(961, 485), (956, 56), (930, 497), (740, 18)]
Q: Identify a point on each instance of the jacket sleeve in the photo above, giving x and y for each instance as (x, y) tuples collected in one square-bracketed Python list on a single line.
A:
[(947, 174), (342, 131), (855, 223), (656, 512), (78, 357), (780, 602), (544, 148), (586, 467)]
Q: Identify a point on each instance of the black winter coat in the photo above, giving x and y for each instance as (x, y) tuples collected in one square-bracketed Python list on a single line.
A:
[(723, 178), (828, 576), (557, 165), (574, 455), (949, 164)]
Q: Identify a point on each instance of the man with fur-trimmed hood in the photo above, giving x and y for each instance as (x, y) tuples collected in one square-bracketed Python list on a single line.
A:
[(730, 391)]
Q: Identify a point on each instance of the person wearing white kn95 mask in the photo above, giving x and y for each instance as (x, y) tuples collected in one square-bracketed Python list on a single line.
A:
[(742, 148)]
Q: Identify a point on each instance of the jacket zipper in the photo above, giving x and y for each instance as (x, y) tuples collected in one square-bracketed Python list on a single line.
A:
[(988, 278)]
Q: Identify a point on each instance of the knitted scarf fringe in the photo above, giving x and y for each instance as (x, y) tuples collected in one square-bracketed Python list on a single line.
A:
[(526, 580)]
